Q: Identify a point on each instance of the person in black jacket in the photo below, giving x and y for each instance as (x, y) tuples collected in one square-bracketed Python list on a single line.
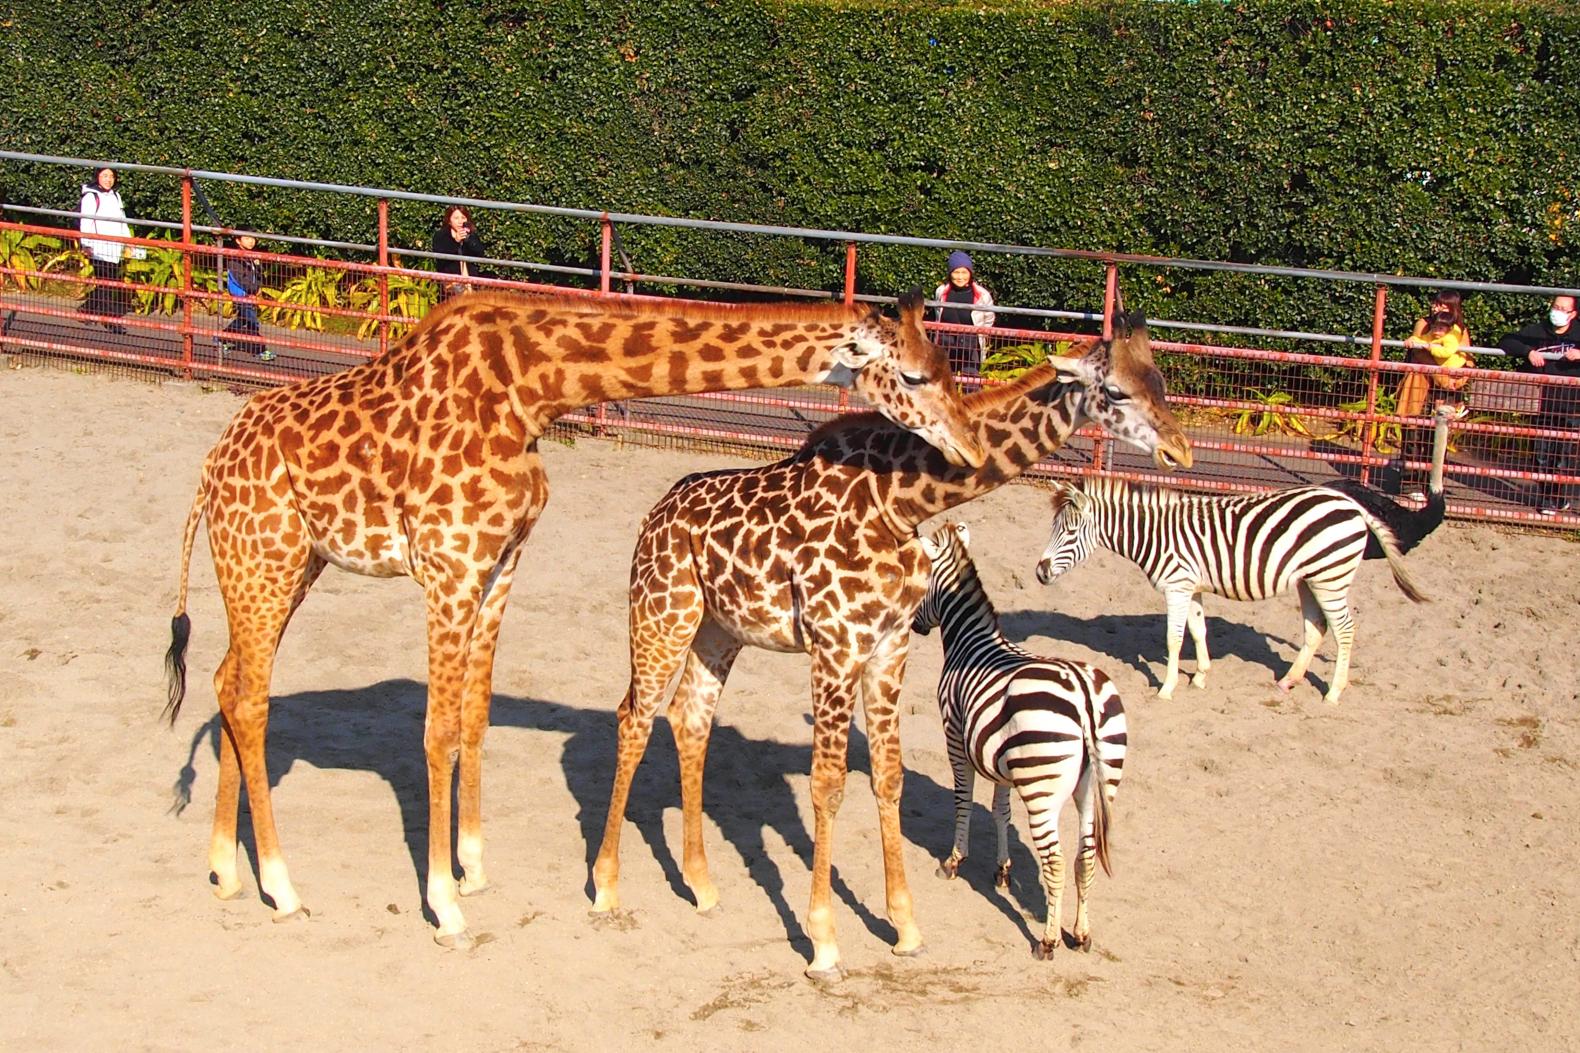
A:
[(244, 277), (455, 237), (1551, 347)]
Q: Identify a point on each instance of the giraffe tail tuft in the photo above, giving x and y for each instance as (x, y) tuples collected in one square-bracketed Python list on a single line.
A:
[(180, 624)]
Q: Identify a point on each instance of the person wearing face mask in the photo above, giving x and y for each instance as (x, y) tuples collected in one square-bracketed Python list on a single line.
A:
[(1550, 347), (962, 301), (1439, 339)]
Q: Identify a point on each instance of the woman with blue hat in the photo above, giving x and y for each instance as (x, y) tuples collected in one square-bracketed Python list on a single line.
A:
[(963, 301)]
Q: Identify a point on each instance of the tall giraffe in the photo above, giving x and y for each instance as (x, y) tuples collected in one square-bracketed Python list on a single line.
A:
[(819, 553), (424, 463)]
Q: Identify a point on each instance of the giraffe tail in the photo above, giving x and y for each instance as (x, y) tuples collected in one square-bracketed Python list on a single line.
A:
[(180, 624), (1101, 818)]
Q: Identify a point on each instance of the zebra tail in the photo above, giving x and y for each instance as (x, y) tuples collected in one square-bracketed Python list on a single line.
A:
[(1101, 819), (180, 624)]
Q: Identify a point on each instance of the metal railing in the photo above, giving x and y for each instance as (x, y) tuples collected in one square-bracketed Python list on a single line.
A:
[(1249, 439)]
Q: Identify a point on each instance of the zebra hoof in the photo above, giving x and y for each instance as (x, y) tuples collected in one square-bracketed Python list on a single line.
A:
[(1001, 878), (1043, 952), (949, 869)]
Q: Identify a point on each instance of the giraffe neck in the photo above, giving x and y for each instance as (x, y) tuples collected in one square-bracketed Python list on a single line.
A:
[(551, 356), (912, 482)]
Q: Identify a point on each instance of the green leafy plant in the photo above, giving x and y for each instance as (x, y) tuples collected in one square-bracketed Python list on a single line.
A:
[(159, 272), (410, 299), (38, 253), (1270, 415), (1006, 363), (300, 304), (1386, 436)]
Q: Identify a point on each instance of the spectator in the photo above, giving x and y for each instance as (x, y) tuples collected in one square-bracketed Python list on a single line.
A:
[(102, 212), (244, 277), (962, 289), (455, 237), (1550, 347), (1439, 339)]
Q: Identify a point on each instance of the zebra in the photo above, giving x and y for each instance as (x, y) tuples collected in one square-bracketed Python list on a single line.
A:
[(1051, 728), (1245, 548)]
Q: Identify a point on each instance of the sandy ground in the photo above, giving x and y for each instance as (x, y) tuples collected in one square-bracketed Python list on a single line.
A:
[(1395, 873)]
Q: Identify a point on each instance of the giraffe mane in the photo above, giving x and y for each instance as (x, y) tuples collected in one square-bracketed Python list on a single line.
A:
[(654, 307)]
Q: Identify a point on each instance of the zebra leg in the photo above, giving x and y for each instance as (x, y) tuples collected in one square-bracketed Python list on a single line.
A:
[(1053, 892), (1086, 791), (965, 784), (1198, 632), (1336, 606), (1001, 823), (1179, 612), (1311, 614), (691, 712)]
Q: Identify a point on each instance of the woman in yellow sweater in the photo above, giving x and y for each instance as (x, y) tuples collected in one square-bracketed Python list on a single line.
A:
[(1439, 339)]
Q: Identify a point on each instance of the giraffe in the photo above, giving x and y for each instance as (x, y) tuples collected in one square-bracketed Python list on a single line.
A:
[(819, 553), (424, 463)]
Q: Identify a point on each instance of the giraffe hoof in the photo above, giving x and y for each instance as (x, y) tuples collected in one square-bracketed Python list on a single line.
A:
[(826, 977), (478, 888), (456, 941), (299, 914), (227, 894), (710, 912), (909, 952), (1043, 952), (1285, 686), (1084, 944)]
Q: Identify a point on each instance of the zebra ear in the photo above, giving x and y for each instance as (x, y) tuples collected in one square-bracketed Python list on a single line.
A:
[(963, 534), (931, 547), (1063, 494)]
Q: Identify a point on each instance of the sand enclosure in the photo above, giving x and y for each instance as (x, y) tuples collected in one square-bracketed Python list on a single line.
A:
[(1395, 873)]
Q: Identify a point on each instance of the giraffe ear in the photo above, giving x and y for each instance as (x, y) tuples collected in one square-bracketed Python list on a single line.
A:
[(1074, 370)]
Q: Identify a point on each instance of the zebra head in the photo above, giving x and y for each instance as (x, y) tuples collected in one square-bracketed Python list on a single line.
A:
[(947, 550), (1074, 532), (1124, 394)]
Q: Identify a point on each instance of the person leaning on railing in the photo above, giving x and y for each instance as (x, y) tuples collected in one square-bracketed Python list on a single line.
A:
[(1439, 339), (455, 237), (102, 212), (1551, 347)]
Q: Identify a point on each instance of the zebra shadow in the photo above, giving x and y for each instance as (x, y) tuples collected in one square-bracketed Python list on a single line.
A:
[(1140, 641), (748, 788)]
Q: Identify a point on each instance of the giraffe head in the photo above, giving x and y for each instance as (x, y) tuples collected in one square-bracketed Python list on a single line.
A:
[(1074, 531), (1123, 393), (906, 378), (948, 549)]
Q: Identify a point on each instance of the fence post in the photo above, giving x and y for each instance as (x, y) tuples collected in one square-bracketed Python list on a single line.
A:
[(607, 229), (850, 299), (384, 278), (186, 275), (1369, 429)]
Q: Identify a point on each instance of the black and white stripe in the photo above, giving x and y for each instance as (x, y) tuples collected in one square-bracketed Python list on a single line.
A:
[(1311, 538), (1052, 729)]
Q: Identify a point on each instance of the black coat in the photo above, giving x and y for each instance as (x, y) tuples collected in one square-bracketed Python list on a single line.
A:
[(1558, 400), (444, 241)]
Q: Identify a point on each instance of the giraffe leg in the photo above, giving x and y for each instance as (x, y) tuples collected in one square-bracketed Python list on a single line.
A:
[(1001, 825), (1312, 617), (662, 628), (1179, 612), (1198, 633), (476, 700), (965, 784), (881, 681), (691, 719), (452, 616), (833, 703), (222, 843), (260, 606)]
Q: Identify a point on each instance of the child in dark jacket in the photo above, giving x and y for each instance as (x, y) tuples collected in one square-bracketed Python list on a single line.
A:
[(244, 277)]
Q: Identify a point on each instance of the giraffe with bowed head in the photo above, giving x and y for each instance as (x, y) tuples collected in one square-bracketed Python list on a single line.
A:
[(424, 463), (819, 553)]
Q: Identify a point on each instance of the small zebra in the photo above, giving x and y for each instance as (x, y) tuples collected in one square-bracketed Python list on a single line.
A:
[(1246, 548), (1051, 728)]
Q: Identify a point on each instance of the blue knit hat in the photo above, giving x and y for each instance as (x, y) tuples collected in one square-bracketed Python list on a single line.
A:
[(959, 258)]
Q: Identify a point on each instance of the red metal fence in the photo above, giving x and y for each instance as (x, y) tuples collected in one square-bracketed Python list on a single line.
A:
[(1267, 419)]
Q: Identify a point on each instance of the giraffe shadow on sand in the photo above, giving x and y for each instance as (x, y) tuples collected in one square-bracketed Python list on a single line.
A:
[(1138, 640), (750, 787)]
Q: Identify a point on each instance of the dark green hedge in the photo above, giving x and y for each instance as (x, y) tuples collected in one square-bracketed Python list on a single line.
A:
[(1434, 137)]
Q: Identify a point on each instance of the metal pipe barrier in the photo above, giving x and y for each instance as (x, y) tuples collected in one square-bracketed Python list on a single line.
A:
[(1259, 418)]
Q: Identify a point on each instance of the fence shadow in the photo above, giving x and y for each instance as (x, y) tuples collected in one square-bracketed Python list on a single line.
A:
[(748, 789)]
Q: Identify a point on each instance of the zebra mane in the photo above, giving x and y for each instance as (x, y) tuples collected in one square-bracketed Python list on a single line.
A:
[(1125, 493)]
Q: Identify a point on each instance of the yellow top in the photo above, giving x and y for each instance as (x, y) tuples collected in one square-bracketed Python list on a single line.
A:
[(1444, 348)]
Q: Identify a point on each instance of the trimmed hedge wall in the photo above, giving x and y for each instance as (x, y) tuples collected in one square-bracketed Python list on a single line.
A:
[(1418, 136)]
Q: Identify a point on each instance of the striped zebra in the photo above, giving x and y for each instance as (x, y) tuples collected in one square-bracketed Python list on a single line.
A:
[(1051, 728), (1246, 548)]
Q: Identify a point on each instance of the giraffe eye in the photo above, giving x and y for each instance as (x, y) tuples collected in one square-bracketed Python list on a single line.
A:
[(913, 380), (1115, 395)]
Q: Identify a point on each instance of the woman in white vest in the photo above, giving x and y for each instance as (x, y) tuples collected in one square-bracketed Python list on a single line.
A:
[(102, 212)]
